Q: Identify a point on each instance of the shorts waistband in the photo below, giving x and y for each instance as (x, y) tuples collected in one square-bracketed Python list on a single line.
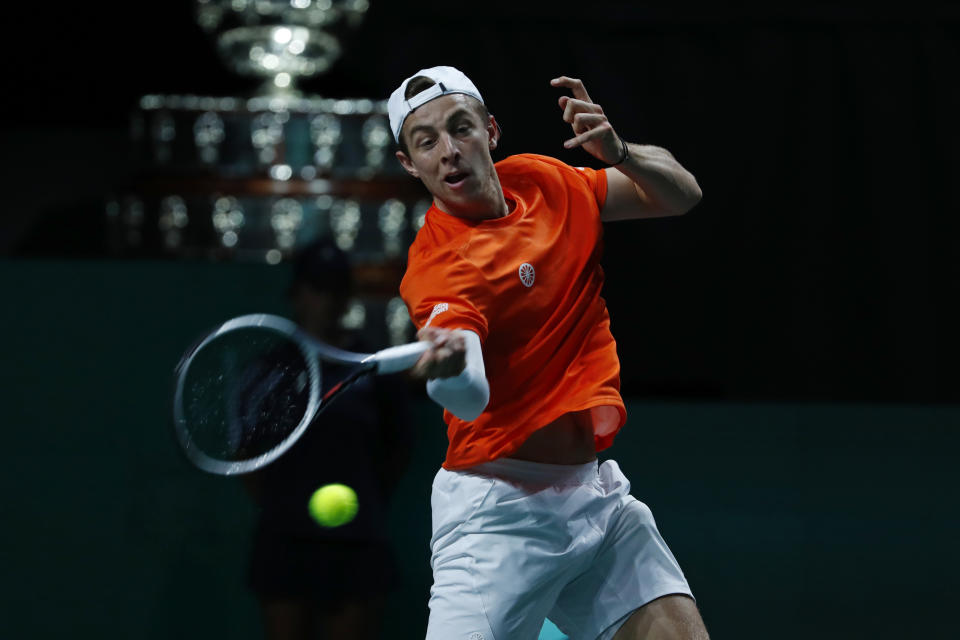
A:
[(538, 472)]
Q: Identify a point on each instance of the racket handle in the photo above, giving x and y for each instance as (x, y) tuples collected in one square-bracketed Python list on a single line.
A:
[(399, 358)]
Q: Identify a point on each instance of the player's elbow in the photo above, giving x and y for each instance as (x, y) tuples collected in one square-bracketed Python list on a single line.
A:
[(464, 396), (696, 195), (683, 200), (479, 403), (690, 198)]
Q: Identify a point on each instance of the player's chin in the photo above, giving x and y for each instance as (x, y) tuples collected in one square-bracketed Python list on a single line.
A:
[(465, 194)]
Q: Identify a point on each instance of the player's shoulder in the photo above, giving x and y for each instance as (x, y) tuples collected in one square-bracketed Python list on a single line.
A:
[(429, 263), (529, 161), (430, 280), (529, 164), (435, 239)]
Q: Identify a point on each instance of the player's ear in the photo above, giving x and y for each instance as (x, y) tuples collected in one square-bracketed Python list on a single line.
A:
[(493, 132), (407, 164)]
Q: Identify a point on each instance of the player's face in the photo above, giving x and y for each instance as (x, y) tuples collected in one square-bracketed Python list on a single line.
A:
[(450, 144)]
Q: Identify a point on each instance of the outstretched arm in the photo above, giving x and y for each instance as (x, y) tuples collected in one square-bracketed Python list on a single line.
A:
[(644, 181), (453, 368)]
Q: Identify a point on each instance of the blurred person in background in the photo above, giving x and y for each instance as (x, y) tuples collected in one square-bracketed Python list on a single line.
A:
[(315, 582)]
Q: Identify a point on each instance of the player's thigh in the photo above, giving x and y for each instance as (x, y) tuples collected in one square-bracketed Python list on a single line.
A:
[(673, 617), (500, 556), (632, 567), (490, 592), (456, 609)]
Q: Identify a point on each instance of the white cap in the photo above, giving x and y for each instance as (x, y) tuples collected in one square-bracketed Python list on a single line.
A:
[(448, 80)]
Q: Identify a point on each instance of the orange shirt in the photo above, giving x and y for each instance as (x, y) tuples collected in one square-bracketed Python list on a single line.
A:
[(529, 285)]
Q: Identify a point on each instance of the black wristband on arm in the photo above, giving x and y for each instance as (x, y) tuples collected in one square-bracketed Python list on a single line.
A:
[(626, 152)]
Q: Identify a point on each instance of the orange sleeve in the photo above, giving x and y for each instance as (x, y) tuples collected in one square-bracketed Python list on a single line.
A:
[(449, 295), (596, 179)]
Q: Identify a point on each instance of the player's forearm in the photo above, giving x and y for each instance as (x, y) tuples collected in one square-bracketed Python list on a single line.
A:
[(465, 395), (660, 178)]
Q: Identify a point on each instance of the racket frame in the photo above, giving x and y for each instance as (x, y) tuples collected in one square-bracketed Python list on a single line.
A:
[(312, 351)]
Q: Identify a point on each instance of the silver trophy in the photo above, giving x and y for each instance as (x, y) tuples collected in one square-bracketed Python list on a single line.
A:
[(252, 178), (280, 41)]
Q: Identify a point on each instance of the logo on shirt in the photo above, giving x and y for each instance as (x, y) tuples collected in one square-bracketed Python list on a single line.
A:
[(527, 274), (437, 310)]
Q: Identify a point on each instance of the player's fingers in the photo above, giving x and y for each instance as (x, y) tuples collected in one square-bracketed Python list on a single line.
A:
[(584, 121), (456, 341), (436, 365), (421, 368), (587, 136), (451, 365), (434, 335), (444, 364), (573, 107), (446, 356), (574, 84), (427, 334)]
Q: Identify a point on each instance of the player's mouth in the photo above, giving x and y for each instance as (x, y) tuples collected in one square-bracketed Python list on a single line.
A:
[(456, 179)]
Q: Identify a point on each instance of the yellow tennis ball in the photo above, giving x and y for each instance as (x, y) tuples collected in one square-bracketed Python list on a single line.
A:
[(333, 505)]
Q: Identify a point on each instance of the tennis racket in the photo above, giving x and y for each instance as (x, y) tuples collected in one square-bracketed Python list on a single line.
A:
[(248, 389)]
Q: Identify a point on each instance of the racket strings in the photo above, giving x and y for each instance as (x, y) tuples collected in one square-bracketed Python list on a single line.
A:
[(244, 393)]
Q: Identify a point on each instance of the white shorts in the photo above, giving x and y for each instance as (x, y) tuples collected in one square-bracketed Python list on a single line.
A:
[(515, 542)]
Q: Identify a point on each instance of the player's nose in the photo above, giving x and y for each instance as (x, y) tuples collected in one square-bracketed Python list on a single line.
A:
[(448, 147)]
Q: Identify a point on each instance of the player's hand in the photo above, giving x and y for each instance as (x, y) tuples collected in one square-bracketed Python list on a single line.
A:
[(590, 126), (446, 357)]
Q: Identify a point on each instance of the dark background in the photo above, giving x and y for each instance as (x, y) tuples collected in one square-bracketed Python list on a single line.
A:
[(788, 346), (820, 264)]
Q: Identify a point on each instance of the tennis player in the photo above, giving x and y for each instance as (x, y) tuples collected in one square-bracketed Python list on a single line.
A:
[(504, 279)]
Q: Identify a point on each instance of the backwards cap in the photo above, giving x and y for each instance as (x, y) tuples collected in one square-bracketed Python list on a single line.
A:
[(448, 80)]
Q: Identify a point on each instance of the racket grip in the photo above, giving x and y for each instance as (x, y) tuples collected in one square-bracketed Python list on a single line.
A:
[(400, 358)]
